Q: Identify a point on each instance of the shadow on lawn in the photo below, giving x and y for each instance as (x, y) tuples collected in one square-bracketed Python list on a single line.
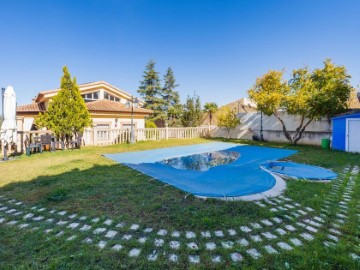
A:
[(119, 192)]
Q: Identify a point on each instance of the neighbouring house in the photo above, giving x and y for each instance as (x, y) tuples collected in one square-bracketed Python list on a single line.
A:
[(105, 102)]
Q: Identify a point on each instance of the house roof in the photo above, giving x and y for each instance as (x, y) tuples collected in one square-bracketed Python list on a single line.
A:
[(84, 86), (105, 105), (34, 107)]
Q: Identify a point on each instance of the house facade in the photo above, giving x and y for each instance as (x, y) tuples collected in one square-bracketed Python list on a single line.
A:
[(105, 102)]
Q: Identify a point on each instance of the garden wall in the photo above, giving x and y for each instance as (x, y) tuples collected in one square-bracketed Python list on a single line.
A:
[(272, 129)]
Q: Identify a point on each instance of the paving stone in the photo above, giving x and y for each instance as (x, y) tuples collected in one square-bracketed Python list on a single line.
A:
[(309, 209), (329, 244), (253, 253), (336, 225), (232, 232), (95, 220), (302, 212), (280, 231), (333, 237), (288, 217), (266, 222), (48, 230), (295, 215), (111, 234), (340, 221), (300, 224), (236, 257), (122, 225), (99, 230), (52, 211), (260, 204), (311, 229), (174, 244), (59, 234), (245, 229), (319, 219), (162, 232), (71, 238), (62, 213), (24, 225), (153, 256), (284, 246), (159, 242), (82, 218), (192, 245), (190, 235), (216, 259), (87, 240), (19, 203), (335, 231), (274, 209), (148, 230), (296, 242), (289, 206), (85, 228), (39, 218), (126, 237), (269, 235), (134, 227), (27, 216), (290, 228), (256, 225), (108, 222), (210, 246), (277, 220), (173, 258), (219, 233), (32, 208), (354, 256), (10, 211), (18, 213), (243, 242), (227, 244), (49, 220), (62, 222), (175, 234), (307, 236), (72, 216), (256, 238), (117, 247), (73, 225), (135, 252), (269, 249), (2, 220), (194, 259), (142, 240), (13, 222)]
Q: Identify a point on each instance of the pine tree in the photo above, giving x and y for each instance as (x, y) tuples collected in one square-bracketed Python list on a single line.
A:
[(67, 114), (151, 91), (192, 112), (171, 98)]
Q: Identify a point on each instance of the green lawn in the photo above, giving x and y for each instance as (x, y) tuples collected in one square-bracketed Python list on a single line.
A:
[(85, 183)]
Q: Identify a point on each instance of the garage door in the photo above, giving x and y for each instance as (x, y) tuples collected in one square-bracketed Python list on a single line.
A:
[(353, 134)]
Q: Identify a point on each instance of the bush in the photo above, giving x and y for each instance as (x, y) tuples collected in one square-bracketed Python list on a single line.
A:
[(150, 124)]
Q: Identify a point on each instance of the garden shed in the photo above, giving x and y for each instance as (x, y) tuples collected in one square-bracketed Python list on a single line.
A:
[(346, 132)]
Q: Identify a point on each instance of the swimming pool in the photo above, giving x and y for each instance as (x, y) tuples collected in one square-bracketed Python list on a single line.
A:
[(239, 177)]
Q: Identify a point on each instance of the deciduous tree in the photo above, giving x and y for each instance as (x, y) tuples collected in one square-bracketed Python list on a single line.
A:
[(227, 119)]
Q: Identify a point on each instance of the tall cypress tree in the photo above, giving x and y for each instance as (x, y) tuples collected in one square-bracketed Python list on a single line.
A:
[(151, 91), (67, 114), (171, 98)]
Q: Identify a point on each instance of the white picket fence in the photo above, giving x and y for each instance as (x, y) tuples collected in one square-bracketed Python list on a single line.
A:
[(101, 136)]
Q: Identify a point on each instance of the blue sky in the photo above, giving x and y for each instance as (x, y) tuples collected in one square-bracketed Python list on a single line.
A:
[(216, 48)]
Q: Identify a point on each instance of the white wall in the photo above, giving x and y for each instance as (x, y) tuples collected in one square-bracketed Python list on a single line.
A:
[(316, 131)]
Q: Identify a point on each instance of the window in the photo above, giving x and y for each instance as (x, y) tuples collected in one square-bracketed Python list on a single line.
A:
[(111, 97), (90, 97)]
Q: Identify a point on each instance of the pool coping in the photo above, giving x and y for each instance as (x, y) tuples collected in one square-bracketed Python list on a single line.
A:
[(276, 190)]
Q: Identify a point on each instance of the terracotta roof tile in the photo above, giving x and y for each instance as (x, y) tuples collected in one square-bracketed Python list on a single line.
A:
[(34, 107), (105, 105)]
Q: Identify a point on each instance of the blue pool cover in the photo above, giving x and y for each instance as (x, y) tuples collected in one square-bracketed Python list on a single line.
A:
[(241, 177), (303, 171)]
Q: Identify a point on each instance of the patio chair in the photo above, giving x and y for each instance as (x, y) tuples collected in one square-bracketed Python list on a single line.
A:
[(36, 146), (76, 144), (45, 141)]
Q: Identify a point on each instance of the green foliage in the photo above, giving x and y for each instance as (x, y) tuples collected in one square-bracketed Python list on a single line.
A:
[(310, 95), (172, 106), (210, 108), (150, 124), (150, 89), (67, 114), (227, 119), (192, 114)]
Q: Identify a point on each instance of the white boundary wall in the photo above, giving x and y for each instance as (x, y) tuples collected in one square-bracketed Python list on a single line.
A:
[(272, 128)]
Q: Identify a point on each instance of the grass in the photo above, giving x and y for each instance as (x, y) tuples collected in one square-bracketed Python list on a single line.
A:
[(86, 183)]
